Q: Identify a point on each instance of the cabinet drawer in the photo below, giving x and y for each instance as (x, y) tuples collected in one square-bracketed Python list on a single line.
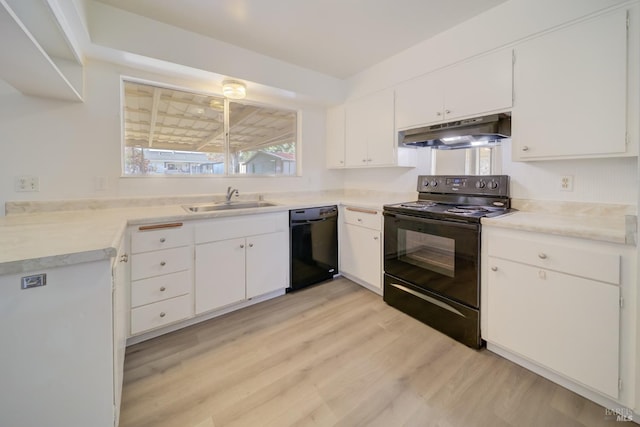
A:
[(574, 260), (369, 218), (147, 291), (156, 263), (247, 225), (160, 238), (160, 313)]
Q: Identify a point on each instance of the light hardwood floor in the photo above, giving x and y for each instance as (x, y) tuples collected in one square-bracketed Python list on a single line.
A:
[(334, 355)]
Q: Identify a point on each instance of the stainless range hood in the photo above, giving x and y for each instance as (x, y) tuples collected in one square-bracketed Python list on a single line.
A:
[(467, 133)]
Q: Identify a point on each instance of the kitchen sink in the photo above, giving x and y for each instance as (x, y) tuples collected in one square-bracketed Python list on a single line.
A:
[(226, 206)]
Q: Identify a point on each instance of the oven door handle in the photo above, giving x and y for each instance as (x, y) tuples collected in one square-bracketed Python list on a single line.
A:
[(447, 222), (428, 299)]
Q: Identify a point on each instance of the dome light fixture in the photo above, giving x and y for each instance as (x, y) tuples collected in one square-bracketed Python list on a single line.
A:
[(234, 89)]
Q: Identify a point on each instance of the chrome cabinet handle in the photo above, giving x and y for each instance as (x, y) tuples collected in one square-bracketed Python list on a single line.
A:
[(250, 245), (162, 263), (525, 148), (375, 237), (359, 219), (162, 289), (447, 111), (241, 246), (162, 240), (438, 113), (494, 268), (163, 314), (542, 255), (124, 258)]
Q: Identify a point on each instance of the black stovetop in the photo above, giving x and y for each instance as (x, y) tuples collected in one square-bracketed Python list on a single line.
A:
[(465, 198)]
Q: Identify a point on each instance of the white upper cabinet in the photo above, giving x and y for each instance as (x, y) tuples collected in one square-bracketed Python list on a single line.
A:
[(370, 138), (570, 90), (335, 137), (474, 87)]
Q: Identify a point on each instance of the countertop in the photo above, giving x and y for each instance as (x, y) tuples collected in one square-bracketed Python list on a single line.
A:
[(600, 222), (39, 235)]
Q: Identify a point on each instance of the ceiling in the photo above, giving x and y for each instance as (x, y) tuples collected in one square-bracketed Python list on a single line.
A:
[(339, 38)]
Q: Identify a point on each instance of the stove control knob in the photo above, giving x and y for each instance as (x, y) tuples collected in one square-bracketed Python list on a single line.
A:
[(493, 185), (425, 184), (434, 183), (480, 184)]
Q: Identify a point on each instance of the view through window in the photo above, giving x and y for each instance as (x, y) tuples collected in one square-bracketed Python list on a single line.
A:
[(176, 132)]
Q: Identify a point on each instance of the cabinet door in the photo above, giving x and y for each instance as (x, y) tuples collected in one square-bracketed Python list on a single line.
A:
[(335, 143), (220, 274), (370, 134), (566, 323), (381, 143), (267, 263), (120, 275), (420, 101), (479, 86), (356, 132), (570, 91), (360, 254)]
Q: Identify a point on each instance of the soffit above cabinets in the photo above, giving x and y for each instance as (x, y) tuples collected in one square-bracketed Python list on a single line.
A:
[(37, 57)]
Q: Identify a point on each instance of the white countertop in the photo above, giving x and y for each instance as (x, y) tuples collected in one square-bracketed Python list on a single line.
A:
[(45, 239), (49, 238), (607, 223)]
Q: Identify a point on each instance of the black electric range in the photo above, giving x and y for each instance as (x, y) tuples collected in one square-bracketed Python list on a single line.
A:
[(432, 251)]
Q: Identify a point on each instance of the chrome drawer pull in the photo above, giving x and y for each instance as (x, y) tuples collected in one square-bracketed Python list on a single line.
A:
[(494, 268), (162, 263), (162, 289), (542, 255), (162, 240), (162, 314)]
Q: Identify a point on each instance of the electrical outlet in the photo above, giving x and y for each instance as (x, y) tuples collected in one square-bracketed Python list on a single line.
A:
[(27, 183), (566, 183)]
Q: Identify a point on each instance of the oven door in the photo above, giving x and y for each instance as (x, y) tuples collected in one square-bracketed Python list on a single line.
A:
[(438, 256)]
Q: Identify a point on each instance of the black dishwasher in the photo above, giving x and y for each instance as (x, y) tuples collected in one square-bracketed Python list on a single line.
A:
[(314, 245)]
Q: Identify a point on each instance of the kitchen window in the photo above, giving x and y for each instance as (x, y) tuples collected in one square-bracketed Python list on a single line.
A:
[(174, 132)]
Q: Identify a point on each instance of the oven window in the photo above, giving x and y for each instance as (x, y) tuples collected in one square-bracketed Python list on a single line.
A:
[(427, 251)]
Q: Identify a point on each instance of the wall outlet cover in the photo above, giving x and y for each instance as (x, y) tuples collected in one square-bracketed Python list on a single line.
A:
[(27, 183), (566, 183)]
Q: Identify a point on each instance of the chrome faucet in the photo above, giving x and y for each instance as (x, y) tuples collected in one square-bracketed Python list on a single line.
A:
[(230, 192)]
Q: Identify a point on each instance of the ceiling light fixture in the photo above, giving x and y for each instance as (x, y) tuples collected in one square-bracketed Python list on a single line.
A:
[(234, 89)]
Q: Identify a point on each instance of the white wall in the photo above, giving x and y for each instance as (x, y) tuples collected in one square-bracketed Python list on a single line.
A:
[(598, 180), (67, 145)]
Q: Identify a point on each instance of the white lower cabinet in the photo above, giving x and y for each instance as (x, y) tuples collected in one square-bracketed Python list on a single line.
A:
[(556, 302), (220, 274), (161, 275), (361, 246), (58, 348), (267, 263), (240, 258)]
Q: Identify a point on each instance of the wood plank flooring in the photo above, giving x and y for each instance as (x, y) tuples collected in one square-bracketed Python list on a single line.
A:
[(334, 355)]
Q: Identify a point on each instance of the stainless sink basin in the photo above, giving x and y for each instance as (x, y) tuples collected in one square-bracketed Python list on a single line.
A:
[(226, 206)]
